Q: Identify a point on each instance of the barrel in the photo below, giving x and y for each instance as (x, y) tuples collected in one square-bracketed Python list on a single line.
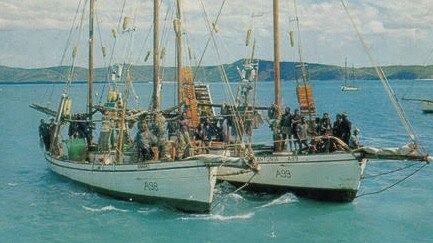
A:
[(77, 149)]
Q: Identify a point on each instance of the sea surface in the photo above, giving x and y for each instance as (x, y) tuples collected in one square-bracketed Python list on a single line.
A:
[(38, 206)]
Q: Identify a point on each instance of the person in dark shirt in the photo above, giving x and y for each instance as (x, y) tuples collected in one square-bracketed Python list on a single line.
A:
[(346, 127), (336, 128), (286, 128), (325, 125)]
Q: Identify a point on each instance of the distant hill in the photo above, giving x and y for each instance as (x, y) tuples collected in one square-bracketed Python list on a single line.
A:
[(212, 73)]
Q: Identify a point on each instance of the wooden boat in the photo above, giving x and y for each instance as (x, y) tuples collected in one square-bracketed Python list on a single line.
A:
[(326, 176), (112, 165)]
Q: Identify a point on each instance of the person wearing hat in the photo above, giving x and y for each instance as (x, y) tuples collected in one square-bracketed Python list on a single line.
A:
[(354, 139)]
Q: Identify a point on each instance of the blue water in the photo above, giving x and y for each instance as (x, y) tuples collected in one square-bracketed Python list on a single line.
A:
[(38, 206)]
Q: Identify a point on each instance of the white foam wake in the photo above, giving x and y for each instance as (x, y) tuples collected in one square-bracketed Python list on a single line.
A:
[(219, 217), (147, 211), (12, 184), (235, 196), (284, 199), (103, 209)]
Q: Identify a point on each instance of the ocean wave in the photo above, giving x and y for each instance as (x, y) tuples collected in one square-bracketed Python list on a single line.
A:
[(218, 217), (78, 194), (147, 211), (235, 196), (284, 199), (272, 234), (103, 209)]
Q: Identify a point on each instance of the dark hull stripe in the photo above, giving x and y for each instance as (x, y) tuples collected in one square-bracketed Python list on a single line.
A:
[(327, 195)]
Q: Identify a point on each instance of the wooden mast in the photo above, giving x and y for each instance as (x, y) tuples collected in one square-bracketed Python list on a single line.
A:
[(90, 81), (277, 56), (156, 82), (178, 29)]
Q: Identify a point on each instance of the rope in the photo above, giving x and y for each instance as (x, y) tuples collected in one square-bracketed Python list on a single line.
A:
[(303, 68), (239, 128), (392, 185), (389, 172)]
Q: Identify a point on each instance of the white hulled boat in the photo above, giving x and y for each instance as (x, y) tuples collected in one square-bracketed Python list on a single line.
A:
[(326, 175), (112, 166)]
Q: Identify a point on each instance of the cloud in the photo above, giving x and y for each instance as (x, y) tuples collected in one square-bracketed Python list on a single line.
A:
[(325, 28)]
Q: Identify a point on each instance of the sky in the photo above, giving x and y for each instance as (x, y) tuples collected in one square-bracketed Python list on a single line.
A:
[(34, 34)]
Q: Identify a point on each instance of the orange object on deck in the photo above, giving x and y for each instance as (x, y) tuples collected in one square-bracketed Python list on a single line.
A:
[(305, 99), (189, 97)]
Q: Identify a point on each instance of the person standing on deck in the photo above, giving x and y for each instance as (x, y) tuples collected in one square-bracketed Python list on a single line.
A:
[(144, 141), (207, 134), (296, 119), (286, 129), (346, 128), (336, 128), (325, 125), (44, 134), (184, 143), (302, 134)]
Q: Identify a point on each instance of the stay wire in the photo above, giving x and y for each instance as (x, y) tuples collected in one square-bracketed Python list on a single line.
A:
[(394, 184), (68, 42), (390, 172)]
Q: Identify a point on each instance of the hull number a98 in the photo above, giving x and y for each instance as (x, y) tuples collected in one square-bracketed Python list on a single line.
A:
[(283, 173)]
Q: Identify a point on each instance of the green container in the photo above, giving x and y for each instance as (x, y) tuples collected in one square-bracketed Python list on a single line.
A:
[(77, 149)]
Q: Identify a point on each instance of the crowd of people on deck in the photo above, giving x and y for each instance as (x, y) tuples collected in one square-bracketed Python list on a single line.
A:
[(187, 140), (299, 135), (294, 132)]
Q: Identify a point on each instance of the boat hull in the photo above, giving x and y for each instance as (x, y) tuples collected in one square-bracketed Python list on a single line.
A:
[(184, 185), (427, 107), (325, 177)]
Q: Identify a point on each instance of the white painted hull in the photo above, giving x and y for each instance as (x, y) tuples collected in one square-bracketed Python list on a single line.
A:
[(427, 107), (185, 185), (328, 177), (349, 88)]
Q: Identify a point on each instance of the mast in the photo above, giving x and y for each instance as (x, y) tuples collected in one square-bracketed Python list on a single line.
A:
[(156, 82), (178, 29), (91, 44), (345, 72), (277, 55)]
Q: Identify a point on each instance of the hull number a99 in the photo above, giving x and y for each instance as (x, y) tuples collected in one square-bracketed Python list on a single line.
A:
[(150, 186)]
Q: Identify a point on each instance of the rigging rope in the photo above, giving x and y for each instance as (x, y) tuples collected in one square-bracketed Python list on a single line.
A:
[(237, 124), (390, 172), (390, 92), (394, 184), (68, 42)]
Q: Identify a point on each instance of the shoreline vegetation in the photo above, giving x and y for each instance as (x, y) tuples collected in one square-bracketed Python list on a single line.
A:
[(143, 74)]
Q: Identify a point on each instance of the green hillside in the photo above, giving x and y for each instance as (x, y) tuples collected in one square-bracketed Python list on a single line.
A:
[(212, 73)]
